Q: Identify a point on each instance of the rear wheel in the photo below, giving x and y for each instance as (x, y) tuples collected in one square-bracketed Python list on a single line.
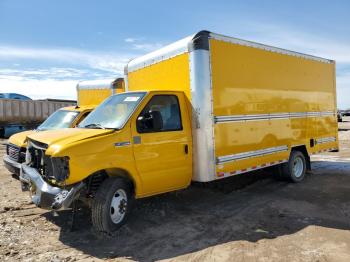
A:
[(111, 205), (295, 169)]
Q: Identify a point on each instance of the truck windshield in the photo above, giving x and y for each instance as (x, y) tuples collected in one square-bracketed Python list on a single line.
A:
[(59, 119), (113, 112)]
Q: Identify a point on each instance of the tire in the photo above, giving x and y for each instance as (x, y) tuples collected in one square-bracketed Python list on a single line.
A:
[(111, 205), (295, 169)]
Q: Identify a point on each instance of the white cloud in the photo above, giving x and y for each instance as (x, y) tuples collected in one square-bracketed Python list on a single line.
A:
[(130, 40), (300, 41), (141, 45), (39, 89), (47, 83), (52, 73), (147, 47), (111, 62), (56, 82), (343, 90)]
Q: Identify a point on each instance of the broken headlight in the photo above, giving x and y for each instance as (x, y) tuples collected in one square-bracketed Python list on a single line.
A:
[(60, 168)]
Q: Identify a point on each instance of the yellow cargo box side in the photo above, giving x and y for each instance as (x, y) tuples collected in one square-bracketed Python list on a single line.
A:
[(253, 103), (171, 74), (267, 101), (95, 91)]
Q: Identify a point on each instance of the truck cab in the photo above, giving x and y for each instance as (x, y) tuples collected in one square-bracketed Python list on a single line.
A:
[(89, 94), (141, 139)]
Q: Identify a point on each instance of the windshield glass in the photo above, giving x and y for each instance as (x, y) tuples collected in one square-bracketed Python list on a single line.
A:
[(59, 119), (113, 112)]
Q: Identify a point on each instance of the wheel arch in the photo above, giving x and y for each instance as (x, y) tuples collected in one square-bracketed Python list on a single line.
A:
[(94, 180), (303, 149), (120, 172)]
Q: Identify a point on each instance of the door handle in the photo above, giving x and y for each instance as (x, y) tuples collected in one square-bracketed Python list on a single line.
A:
[(186, 149)]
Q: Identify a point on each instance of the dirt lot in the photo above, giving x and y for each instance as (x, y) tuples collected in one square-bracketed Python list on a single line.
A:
[(264, 220)]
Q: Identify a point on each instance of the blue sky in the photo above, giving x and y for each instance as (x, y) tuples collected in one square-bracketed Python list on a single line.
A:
[(47, 46)]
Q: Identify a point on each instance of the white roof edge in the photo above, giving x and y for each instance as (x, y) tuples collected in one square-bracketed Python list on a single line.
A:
[(267, 47), (164, 53), (97, 84), (181, 46)]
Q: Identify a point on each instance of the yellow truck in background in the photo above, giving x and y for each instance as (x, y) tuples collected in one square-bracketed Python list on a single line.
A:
[(89, 95), (201, 109)]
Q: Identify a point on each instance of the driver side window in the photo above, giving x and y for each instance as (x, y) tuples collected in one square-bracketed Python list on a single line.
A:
[(162, 113)]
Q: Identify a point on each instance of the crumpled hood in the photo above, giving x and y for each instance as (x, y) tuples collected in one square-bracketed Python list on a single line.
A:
[(20, 139), (62, 137)]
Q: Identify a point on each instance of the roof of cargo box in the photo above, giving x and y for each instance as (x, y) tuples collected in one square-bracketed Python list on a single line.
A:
[(101, 84), (200, 40)]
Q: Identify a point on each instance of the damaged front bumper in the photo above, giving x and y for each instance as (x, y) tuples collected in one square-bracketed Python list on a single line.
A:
[(43, 194), (11, 165)]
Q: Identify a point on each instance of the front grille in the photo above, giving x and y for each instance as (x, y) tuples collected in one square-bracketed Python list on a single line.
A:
[(50, 168), (38, 159), (13, 152)]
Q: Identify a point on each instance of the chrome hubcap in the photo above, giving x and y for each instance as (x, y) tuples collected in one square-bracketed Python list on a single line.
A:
[(118, 206), (298, 167)]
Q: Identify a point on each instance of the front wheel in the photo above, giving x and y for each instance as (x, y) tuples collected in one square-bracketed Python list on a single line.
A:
[(295, 169), (111, 205)]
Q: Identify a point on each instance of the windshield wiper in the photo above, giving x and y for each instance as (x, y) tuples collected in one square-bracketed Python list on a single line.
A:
[(98, 126)]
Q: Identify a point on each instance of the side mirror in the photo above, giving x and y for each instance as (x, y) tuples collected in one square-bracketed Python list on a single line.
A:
[(150, 122)]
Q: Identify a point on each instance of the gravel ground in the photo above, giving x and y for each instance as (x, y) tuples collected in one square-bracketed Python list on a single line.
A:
[(249, 218)]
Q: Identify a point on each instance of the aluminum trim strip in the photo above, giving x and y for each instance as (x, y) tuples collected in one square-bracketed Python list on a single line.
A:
[(202, 116), (237, 118), (268, 48), (250, 154), (325, 140), (221, 174)]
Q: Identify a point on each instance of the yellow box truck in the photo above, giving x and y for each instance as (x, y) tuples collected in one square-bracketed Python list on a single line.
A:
[(89, 95), (201, 109)]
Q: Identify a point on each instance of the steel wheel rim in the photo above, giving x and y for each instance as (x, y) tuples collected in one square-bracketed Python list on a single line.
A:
[(118, 206), (298, 167)]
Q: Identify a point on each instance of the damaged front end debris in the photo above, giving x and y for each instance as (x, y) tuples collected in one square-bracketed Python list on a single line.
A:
[(46, 196)]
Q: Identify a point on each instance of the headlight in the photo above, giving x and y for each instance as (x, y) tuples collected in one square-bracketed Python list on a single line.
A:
[(60, 168)]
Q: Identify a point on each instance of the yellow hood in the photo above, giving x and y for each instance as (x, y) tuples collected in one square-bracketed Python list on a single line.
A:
[(63, 137), (19, 139)]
